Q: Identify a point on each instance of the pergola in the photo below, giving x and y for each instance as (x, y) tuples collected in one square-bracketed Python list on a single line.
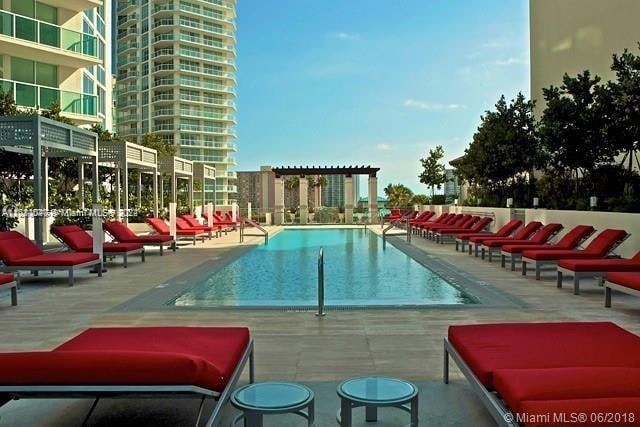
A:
[(304, 171), (203, 172), (123, 157), (176, 168), (44, 138)]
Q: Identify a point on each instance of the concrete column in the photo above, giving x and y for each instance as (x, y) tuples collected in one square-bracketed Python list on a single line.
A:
[(81, 184), (155, 193), (174, 188), (304, 199), (348, 199), (125, 190), (190, 196), (118, 193), (278, 216), (95, 182), (373, 199), (160, 179), (265, 172)]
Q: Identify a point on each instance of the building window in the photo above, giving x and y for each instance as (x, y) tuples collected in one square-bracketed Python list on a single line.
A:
[(88, 85)]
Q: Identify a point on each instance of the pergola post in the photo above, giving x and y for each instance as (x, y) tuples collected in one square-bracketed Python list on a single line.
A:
[(117, 193), (373, 198), (303, 188), (348, 199), (125, 189), (160, 180), (81, 183), (155, 192), (278, 215), (174, 187), (139, 190), (95, 181), (37, 184), (190, 195)]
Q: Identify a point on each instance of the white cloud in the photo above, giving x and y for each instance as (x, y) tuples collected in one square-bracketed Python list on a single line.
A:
[(430, 106), (511, 61), (383, 147), (341, 35)]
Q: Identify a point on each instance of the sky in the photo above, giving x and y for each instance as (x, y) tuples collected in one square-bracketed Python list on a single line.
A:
[(372, 82)]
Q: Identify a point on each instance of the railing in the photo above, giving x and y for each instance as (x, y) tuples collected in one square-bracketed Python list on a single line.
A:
[(320, 312), (393, 225), (252, 223), (37, 96), (24, 28)]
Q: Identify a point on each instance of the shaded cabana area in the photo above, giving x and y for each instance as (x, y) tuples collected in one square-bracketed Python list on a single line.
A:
[(43, 139), (124, 156), (176, 168), (304, 172)]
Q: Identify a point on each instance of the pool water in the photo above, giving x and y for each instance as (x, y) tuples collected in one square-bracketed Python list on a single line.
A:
[(357, 272)]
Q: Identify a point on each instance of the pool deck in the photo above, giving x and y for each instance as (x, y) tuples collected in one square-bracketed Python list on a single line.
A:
[(296, 345)]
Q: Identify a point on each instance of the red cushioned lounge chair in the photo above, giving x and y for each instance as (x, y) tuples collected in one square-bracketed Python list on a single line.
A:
[(121, 233), (452, 221), (464, 223), (183, 225), (571, 240), (161, 227), (522, 234), (19, 253), (505, 231), (529, 369), (439, 220), (442, 234), (423, 217), (78, 240), (597, 268), (628, 283), (8, 281), (162, 362), (216, 220), (540, 237), (600, 247), (193, 223)]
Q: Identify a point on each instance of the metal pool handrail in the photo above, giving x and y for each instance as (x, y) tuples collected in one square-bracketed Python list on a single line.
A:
[(320, 312), (392, 225), (265, 233)]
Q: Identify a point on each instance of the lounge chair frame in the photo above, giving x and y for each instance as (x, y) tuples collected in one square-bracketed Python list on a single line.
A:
[(137, 392), (577, 275), (608, 286), (500, 413), (105, 255), (13, 288), (537, 264), (462, 243), (70, 268)]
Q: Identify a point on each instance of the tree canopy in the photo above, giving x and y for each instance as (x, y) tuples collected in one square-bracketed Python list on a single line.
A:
[(433, 172)]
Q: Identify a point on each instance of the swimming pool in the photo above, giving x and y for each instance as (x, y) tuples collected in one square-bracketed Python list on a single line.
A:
[(358, 272)]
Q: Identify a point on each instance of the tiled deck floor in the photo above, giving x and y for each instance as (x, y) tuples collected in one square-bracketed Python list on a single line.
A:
[(297, 345)]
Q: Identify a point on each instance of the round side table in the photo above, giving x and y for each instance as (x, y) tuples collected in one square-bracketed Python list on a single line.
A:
[(374, 393), (269, 398)]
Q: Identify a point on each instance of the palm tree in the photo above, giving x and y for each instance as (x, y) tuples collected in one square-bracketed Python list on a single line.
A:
[(317, 183)]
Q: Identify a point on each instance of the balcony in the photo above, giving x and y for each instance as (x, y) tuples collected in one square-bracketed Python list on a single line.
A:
[(75, 5), (29, 38), (205, 13), (227, 174), (209, 100), (227, 188), (227, 5), (205, 42), (79, 107)]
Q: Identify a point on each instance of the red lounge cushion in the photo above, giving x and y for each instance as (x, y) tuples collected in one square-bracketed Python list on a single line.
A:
[(518, 385), (158, 225), (612, 264), (541, 413), (189, 232), (75, 237), (204, 357), (467, 236), (6, 278), (496, 243), (553, 254), (120, 231), (604, 241), (191, 220), (483, 239), (14, 246), (486, 348), (56, 259), (629, 280), (121, 247), (519, 248)]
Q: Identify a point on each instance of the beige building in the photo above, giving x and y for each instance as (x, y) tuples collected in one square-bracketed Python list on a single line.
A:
[(56, 51), (570, 36)]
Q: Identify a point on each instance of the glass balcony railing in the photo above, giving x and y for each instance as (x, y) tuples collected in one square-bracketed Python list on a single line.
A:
[(37, 96), (207, 13), (23, 28), (208, 100), (207, 42), (227, 188), (227, 174), (206, 114)]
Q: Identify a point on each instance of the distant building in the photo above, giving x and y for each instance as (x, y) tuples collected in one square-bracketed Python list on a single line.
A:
[(452, 186), (333, 193), (256, 187), (363, 202)]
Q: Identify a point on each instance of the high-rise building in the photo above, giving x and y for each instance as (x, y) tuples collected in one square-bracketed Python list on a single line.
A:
[(451, 186), (176, 78), (56, 51), (333, 193)]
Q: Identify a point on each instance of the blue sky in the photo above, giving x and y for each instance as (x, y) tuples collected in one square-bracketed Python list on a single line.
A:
[(372, 82)]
